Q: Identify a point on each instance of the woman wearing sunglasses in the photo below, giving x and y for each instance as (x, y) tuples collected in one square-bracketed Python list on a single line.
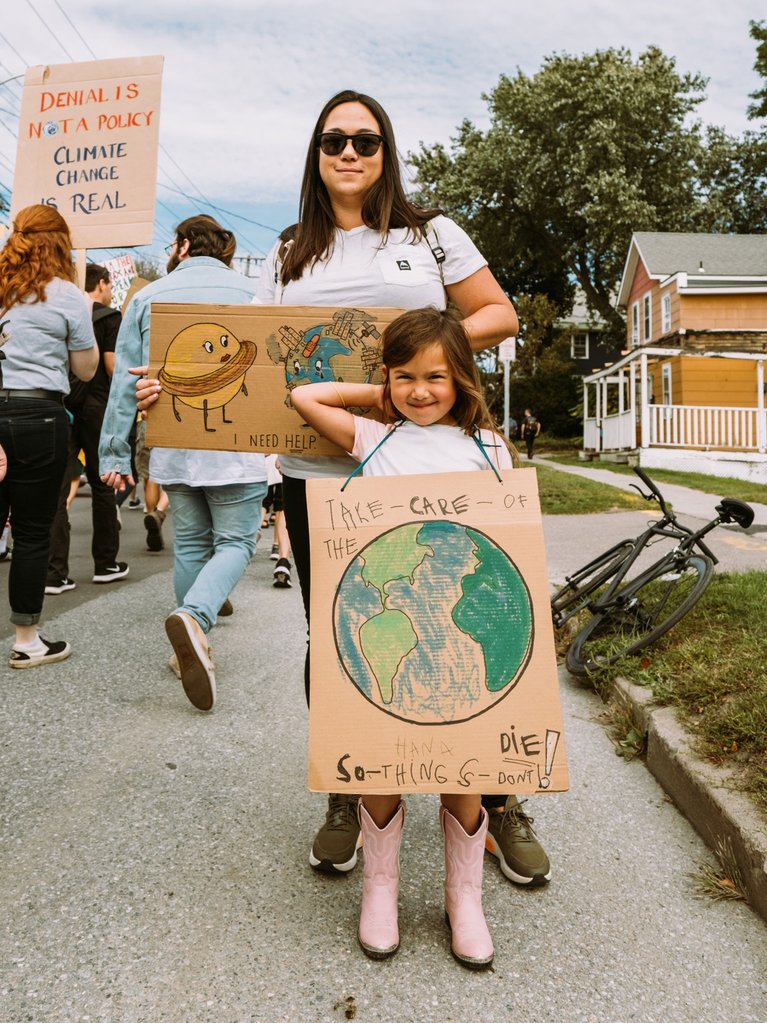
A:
[(360, 242)]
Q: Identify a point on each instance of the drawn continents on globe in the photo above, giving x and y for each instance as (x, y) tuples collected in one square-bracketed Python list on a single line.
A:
[(433, 622), (346, 348)]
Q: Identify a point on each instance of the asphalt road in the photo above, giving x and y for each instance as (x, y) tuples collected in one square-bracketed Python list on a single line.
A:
[(153, 860)]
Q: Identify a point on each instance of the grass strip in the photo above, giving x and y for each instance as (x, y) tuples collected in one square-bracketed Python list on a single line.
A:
[(712, 666), (563, 493)]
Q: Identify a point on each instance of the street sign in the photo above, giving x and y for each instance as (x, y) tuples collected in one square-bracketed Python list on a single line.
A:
[(507, 350)]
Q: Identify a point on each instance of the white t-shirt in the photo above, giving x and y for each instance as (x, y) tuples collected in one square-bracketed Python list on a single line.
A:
[(410, 449), (41, 335), (361, 271)]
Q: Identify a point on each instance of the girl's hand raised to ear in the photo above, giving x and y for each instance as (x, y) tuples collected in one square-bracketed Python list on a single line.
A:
[(325, 407)]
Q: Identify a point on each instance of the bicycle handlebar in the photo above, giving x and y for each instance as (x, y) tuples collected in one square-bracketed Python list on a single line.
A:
[(651, 487)]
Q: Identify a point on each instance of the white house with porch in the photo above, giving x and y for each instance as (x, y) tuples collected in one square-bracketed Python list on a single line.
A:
[(689, 389)]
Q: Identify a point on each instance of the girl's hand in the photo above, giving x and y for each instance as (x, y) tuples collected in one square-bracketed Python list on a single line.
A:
[(3, 463), (147, 389)]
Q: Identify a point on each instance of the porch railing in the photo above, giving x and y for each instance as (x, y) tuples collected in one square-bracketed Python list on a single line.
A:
[(701, 426), (615, 432)]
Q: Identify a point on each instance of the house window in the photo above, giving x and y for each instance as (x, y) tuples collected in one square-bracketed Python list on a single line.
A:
[(667, 384), (647, 317), (635, 325), (579, 346), (665, 306)]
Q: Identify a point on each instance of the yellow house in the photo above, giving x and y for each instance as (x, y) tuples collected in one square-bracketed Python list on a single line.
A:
[(689, 389)]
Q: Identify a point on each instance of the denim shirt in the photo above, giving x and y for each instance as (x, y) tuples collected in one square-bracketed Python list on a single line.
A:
[(201, 279)]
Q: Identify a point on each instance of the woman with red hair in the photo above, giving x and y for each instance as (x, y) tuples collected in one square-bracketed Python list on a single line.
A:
[(45, 330)]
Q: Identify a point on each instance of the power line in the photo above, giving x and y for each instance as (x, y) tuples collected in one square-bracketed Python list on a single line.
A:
[(49, 29), (12, 47), (79, 34)]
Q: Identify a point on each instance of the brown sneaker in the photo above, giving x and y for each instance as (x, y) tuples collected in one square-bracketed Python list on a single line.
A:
[(335, 847), (510, 838), (190, 646), (153, 524)]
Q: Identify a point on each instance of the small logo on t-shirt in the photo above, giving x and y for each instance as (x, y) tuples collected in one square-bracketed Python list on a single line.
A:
[(403, 264)]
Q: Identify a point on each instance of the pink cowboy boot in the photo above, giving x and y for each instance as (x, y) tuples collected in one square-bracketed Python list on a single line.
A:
[(471, 943), (378, 931)]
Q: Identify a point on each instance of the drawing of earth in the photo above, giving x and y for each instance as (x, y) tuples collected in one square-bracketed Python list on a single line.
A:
[(433, 622), (345, 347)]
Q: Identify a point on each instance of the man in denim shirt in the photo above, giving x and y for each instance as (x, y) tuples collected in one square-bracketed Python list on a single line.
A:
[(215, 496)]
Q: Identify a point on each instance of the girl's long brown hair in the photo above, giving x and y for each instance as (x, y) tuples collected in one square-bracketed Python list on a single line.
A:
[(415, 330), (38, 249), (386, 206)]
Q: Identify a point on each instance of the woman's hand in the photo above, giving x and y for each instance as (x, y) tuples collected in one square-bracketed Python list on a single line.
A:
[(3, 463), (147, 389)]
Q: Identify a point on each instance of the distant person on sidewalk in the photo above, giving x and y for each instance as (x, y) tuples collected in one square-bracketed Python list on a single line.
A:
[(215, 496), (530, 430), (86, 403), (45, 331)]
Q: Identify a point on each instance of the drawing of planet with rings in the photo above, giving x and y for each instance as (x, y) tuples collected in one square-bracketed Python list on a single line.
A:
[(433, 622)]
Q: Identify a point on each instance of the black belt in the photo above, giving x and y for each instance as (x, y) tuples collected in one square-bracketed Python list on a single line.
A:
[(31, 392)]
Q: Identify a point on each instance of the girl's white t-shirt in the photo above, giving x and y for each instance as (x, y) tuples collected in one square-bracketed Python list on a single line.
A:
[(362, 271), (412, 449)]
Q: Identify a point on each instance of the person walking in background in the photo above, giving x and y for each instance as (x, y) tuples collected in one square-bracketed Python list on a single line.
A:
[(87, 403), (281, 546), (530, 430), (361, 242), (432, 389), (45, 332), (215, 496)]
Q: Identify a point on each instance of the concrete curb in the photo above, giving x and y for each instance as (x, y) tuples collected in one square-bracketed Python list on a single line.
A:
[(708, 796)]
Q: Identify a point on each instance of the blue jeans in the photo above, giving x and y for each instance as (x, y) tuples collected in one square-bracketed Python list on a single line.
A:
[(33, 432), (215, 531)]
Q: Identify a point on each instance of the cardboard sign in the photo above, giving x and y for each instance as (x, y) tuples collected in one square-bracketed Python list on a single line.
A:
[(432, 649), (227, 372), (87, 144), (122, 270)]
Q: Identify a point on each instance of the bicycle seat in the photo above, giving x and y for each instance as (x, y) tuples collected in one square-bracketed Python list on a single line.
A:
[(732, 510)]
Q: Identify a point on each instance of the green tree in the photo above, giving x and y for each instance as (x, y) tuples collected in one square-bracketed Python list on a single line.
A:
[(732, 182), (576, 158), (758, 32), (146, 269)]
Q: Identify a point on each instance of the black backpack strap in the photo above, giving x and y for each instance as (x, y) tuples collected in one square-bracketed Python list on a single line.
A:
[(103, 312), (430, 232)]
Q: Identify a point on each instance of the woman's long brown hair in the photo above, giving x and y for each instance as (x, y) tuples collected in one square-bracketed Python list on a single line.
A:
[(38, 249)]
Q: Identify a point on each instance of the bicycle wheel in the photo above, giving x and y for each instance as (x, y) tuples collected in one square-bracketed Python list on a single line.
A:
[(640, 612), (575, 594)]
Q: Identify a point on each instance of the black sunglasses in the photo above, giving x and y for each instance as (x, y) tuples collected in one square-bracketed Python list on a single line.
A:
[(333, 143)]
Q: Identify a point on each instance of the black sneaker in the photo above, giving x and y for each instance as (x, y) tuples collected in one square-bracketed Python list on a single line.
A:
[(275, 552), (335, 847), (59, 586), (111, 574), (50, 653), (282, 573)]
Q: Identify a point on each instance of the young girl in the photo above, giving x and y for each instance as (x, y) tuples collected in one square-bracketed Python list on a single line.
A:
[(431, 389)]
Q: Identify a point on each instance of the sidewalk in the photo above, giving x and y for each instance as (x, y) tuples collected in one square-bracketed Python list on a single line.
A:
[(154, 859)]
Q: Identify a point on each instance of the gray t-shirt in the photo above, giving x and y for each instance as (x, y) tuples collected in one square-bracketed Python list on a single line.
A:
[(41, 335)]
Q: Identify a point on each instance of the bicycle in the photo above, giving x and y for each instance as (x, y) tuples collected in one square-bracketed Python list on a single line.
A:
[(628, 615)]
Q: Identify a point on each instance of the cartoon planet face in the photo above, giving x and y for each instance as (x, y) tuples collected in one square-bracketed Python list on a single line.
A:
[(205, 365)]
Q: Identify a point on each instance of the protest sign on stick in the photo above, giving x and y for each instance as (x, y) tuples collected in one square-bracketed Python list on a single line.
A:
[(87, 144), (432, 651)]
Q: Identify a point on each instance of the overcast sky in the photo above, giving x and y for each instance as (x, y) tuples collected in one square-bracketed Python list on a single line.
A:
[(244, 80)]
